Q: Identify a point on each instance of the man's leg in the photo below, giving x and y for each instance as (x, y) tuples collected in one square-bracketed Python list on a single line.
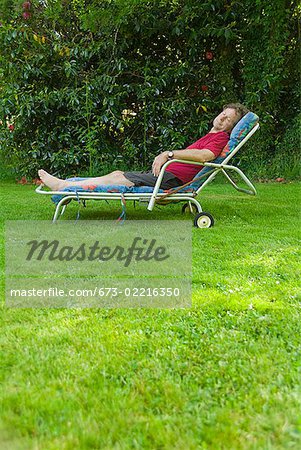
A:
[(57, 184)]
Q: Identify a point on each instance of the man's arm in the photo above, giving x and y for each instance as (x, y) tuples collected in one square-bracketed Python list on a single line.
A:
[(188, 154)]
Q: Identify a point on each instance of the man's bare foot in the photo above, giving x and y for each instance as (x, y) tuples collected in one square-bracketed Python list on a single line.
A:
[(54, 183)]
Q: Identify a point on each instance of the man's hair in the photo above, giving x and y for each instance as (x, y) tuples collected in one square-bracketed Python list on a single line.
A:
[(240, 109)]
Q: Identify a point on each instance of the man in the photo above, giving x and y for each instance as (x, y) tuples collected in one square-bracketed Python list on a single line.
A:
[(205, 149)]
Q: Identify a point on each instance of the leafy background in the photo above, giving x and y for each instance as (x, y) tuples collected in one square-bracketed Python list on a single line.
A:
[(90, 86)]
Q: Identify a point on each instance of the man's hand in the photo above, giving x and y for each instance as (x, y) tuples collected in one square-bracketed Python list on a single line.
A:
[(192, 154), (158, 163)]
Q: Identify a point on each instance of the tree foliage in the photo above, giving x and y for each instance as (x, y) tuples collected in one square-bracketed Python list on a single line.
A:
[(86, 84)]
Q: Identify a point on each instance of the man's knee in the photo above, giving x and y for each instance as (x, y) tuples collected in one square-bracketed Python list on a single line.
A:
[(117, 177), (117, 173)]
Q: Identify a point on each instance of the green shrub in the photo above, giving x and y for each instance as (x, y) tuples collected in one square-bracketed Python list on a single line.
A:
[(87, 84), (286, 162)]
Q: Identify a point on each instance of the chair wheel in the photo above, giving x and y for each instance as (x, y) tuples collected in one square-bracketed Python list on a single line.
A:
[(203, 220), (188, 209)]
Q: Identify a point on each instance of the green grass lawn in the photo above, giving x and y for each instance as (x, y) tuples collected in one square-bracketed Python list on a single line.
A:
[(224, 374)]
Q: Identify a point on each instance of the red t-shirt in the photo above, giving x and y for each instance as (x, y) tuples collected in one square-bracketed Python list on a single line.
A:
[(215, 142)]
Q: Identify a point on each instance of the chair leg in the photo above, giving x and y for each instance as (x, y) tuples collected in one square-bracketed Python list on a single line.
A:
[(62, 203), (196, 203), (56, 213), (190, 207)]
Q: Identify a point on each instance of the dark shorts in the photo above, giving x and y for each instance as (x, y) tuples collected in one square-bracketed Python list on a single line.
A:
[(148, 179)]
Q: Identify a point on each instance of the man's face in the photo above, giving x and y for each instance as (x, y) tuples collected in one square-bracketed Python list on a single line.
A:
[(226, 120)]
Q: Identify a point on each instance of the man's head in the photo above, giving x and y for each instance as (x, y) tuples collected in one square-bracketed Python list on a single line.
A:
[(229, 117)]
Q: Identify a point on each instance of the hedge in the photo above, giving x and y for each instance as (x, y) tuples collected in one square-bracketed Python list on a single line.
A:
[(88, 86)]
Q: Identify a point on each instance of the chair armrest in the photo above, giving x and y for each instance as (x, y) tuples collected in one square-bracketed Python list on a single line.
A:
[(160, 176)]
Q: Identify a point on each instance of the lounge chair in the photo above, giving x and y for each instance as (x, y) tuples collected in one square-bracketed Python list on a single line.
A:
[(240, 134)]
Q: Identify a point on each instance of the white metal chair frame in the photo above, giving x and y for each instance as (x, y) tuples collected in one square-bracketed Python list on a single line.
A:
[(155, 196)]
